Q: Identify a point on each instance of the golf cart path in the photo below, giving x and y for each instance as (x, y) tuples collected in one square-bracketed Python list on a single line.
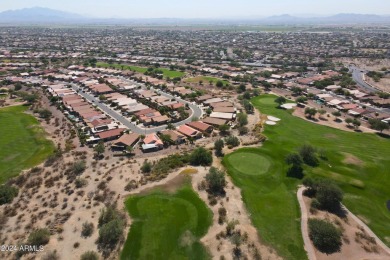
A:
[(309, 248)]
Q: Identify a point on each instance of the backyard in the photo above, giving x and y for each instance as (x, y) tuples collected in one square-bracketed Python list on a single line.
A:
[(357, 162)]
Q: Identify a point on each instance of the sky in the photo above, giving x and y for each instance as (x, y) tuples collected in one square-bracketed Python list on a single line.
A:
[(204, 8)]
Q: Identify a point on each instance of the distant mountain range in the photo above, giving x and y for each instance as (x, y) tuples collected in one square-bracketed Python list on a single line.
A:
[(39, 15)]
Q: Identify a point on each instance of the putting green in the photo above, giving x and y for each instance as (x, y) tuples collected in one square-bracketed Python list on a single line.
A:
[(249, 163)]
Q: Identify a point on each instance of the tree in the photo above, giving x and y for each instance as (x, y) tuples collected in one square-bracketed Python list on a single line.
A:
[(310, 112), (170, 126), (219, 84), (110, 234), (280, 100), (99, 148), (166, 139), (295, 162), (348, 121), (301, 100), (18, 86), (218, 146), (224, 129), (247, 95), (336, 113), (241, 88), (329, 195), (294, 159), (39, 237), (325, 236), (356, 123), (321, 112), (146, 167), (200, 156), (215, 181), (308, 154), (107, 214), (45, 114), (297, 91), (378, 125), (89, 255), (242, 119), (129, 149), (7, 194)]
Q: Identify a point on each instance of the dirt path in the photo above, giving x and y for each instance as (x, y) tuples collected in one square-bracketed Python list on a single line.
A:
[(304, 227)]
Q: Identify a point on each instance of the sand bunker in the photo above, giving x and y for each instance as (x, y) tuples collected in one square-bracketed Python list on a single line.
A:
[(289, 105), (270, 122), (272, 118)]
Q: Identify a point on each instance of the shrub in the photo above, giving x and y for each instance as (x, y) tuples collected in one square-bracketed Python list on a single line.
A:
[(325, 236), (146, 167), (80, 182), (232, 141), (39, 237), (7, 194), (89, 255), (78, 167), (87, 229)]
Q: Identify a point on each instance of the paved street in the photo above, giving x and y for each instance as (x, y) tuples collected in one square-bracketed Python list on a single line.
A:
[(196, 112), (357, 76)]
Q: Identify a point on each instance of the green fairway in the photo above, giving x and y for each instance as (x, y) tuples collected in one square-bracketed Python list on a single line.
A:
[(358, 162), (22, 142), (166, 72), (167, 226), (249, 163), (206, 80)]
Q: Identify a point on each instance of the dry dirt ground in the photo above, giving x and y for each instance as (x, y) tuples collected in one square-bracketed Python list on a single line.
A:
[(365, 63), (357, 244), (329, 121), (383, 84)]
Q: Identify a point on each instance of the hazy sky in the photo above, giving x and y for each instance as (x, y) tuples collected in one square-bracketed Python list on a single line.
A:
[(203, 8)]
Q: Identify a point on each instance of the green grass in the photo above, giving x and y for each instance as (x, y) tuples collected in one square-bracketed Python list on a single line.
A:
[(167, 226), (166, 72), (250, 163), (271, 198), (206, 80), (23, 142)]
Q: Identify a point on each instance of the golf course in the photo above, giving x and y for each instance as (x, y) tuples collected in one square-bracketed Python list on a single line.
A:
[(167, 226), (206, 80), (166, 72), (23, 142), (359, 163)]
